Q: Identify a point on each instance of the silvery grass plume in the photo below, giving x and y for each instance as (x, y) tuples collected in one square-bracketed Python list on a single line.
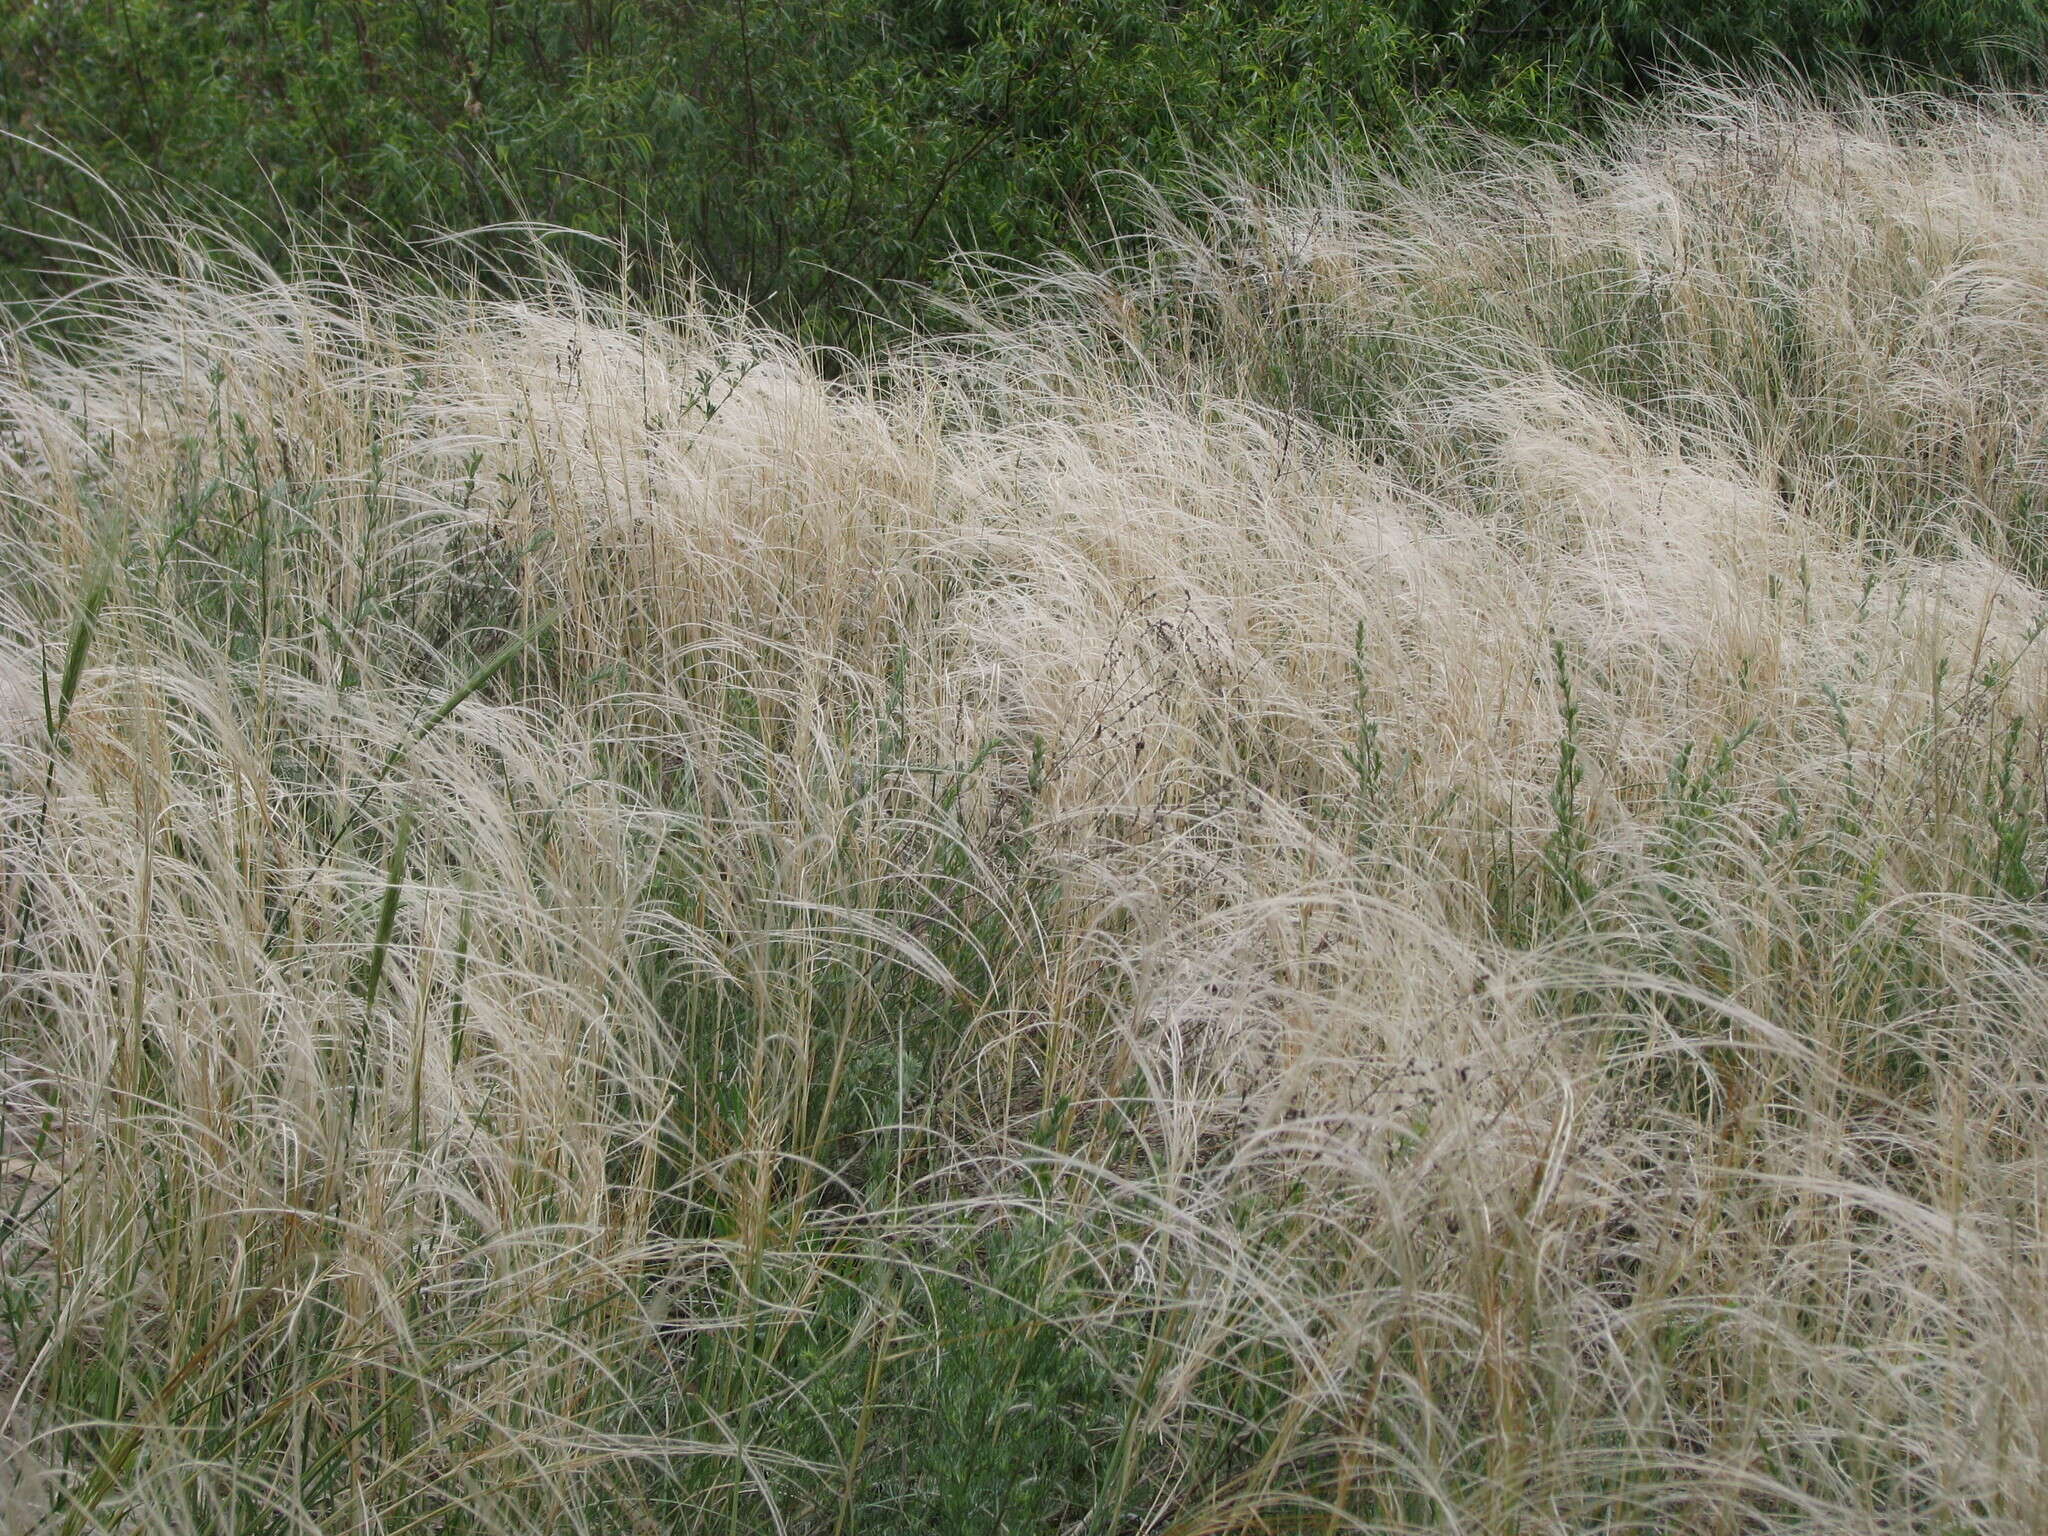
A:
[(1372, 863)]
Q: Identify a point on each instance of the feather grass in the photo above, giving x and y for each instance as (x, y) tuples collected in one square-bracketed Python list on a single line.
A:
[(1370, 864)]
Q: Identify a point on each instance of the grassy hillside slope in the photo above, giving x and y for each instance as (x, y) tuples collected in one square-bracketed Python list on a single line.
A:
[(1371, 865)]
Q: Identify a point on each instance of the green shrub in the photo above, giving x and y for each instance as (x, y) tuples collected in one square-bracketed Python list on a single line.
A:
[(814, 157)]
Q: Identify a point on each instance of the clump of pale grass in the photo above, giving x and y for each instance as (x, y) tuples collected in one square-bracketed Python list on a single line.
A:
[(1405, 818)]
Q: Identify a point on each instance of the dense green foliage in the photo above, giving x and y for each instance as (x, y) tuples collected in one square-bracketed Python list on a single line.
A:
[(813, 155), (1626, 45)]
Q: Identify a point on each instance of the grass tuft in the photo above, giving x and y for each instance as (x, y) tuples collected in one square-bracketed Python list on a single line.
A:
[(1371, 863)]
